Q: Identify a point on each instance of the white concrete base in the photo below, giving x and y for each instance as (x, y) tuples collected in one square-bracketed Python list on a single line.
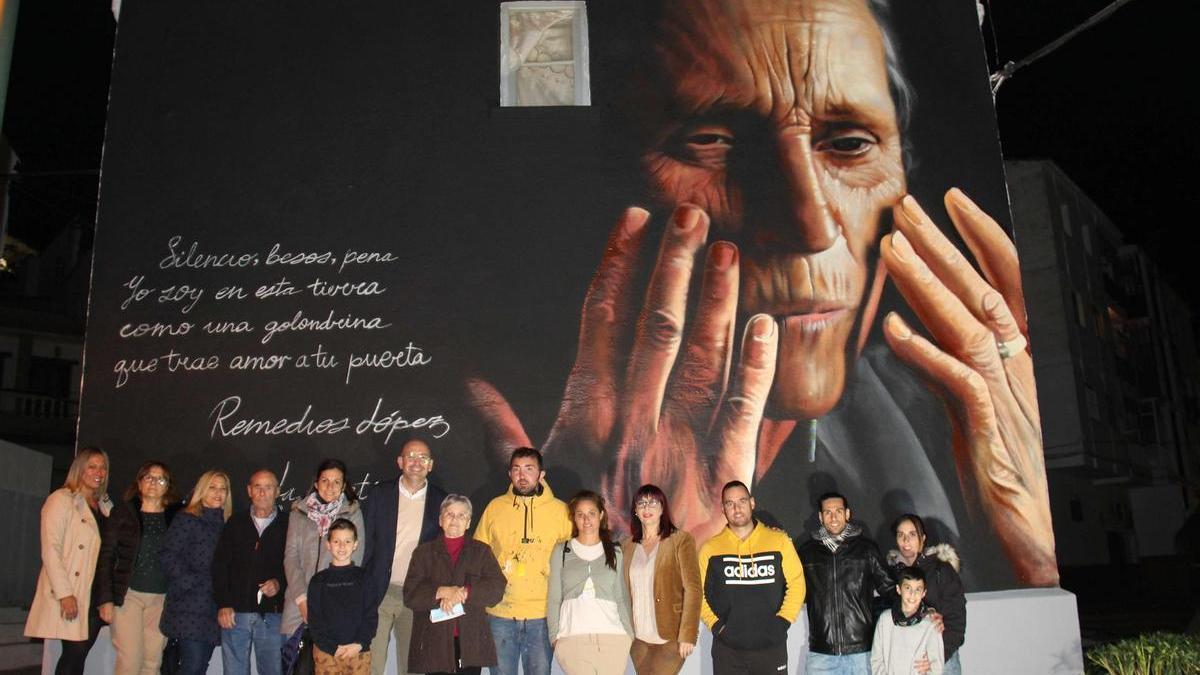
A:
[(1033, 630), (1019, 631)]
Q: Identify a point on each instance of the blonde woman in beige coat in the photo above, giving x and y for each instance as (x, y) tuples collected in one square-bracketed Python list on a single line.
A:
[(72, 519)]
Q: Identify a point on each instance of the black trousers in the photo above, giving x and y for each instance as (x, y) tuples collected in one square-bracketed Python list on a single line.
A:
[(767, 661), (75, 652), (470, 670)]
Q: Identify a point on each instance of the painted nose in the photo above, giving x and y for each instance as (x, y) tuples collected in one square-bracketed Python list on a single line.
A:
[(808, 221)]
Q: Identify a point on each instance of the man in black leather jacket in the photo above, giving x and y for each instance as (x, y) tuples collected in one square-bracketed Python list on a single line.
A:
[(843, 571)]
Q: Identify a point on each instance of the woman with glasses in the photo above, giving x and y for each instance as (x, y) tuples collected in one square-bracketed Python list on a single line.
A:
[(132, 585), (664, 583), (305, 553), (453, 575)]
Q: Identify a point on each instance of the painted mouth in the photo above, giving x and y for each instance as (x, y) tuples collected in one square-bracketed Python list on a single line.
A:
[(813, 320)]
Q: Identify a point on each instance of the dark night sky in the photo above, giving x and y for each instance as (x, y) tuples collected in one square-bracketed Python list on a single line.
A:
[(1112, 108)]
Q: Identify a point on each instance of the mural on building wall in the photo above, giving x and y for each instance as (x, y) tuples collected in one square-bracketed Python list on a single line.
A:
[(752, 257), (774, 158)]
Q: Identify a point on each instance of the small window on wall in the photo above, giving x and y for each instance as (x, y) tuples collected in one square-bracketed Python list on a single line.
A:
[(544, 54)]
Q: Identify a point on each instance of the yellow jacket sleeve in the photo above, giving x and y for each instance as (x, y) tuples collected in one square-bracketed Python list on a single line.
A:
[(793, 572)]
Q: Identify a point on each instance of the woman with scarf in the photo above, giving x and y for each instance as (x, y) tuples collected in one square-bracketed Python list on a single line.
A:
[(190, 613), (73, 518), (943, 587), (131, 582), (305, 553)]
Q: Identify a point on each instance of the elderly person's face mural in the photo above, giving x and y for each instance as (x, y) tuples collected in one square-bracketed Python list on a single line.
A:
[(773, 140), (782, 129)]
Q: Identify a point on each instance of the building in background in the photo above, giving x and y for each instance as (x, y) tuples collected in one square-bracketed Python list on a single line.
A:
[(43, 301), (1117, 375)]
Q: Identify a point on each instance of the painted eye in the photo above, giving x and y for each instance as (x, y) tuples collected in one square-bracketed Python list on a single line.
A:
[(851, 143), (710, 139), (705, 145)]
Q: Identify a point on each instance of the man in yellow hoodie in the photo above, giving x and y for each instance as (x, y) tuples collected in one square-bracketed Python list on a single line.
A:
[(753, 589), (522, 526)]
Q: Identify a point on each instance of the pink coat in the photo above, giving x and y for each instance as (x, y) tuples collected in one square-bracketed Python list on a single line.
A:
[(70, 546)]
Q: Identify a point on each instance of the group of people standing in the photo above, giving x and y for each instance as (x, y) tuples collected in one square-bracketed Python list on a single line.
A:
[(540, 580)]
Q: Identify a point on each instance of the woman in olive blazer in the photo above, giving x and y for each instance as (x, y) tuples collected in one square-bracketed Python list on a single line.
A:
[(664, 584)]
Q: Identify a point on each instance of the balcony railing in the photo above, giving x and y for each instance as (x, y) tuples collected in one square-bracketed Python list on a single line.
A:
[(32, 404)]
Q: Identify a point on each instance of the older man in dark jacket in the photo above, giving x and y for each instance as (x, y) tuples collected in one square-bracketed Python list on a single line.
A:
[(248, 580), (843, 571)]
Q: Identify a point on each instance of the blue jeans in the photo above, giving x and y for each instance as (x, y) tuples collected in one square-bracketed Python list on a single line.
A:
[(194, 656), (252, 629), (523, 640), (953, 666), (846, 664)]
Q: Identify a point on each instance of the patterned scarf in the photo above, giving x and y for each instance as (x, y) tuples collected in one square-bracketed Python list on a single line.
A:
[(832, 541), (899, 619), (322, 513)]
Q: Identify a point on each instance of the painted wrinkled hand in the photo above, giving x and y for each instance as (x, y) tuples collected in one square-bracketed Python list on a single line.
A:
[(991, 395), (676, 412)]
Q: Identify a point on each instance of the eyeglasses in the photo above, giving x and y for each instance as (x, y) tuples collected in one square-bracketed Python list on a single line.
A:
[(424, 459), (456, 516), (647, 503), (155, 480)]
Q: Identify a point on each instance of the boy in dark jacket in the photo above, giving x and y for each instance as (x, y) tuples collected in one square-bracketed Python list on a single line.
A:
[(341, 615)]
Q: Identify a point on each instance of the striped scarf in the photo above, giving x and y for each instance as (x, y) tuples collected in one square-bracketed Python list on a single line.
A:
[(833, 541)]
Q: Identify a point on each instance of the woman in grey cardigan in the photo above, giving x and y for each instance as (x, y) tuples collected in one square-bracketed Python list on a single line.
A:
[(587, 607), (304, 554)]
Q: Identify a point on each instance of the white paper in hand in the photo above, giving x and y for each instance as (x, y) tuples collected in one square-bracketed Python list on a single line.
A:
[(436, 614)]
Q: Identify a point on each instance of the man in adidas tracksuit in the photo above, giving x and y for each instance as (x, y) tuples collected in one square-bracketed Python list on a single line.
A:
[(753, 589)]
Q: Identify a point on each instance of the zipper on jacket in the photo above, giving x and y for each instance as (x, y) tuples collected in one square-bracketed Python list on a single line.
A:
[(837, 626)]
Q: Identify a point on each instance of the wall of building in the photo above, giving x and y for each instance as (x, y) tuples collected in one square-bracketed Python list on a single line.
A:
[(1117, 374), (24, 484)]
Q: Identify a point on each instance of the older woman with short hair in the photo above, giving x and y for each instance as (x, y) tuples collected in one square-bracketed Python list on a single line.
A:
[(449, 571), (73, 518)]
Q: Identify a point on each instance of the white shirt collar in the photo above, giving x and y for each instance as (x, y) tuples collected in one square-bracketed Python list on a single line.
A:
[(412, 495)]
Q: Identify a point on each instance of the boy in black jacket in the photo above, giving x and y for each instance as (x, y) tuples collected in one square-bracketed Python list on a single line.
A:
[(341, 616), (248, 580)]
